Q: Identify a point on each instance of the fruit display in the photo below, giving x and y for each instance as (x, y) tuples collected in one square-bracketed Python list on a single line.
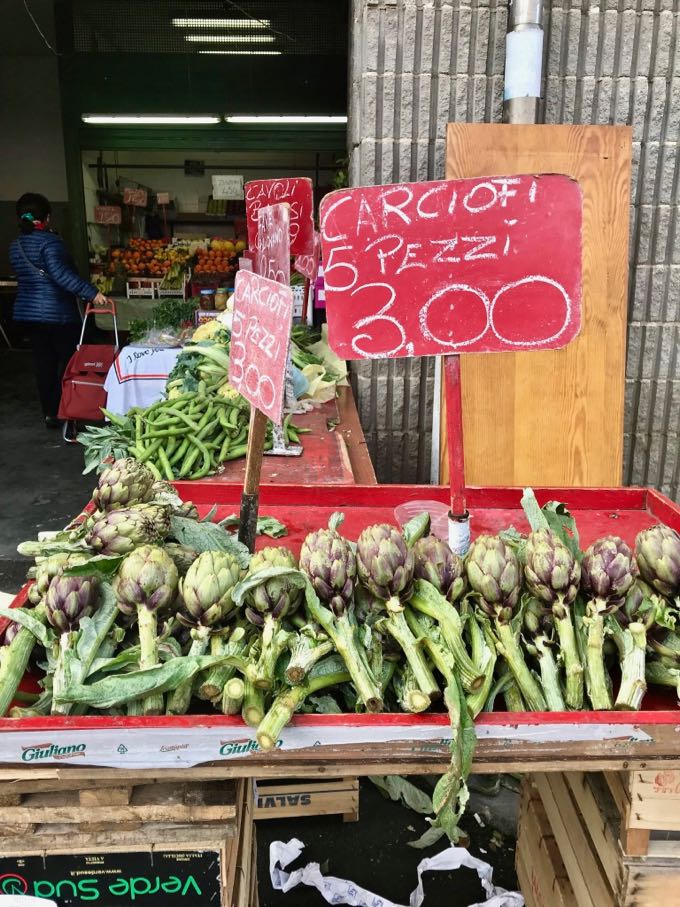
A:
[(145, 609), (219, 258), (150, 258)]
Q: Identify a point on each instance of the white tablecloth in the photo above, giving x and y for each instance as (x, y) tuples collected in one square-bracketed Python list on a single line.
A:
[(138, 376)]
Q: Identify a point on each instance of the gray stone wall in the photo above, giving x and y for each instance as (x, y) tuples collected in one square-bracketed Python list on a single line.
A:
[(418, 64)]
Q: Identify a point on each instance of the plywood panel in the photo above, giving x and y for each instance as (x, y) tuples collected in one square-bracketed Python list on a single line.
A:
[(554, 417)]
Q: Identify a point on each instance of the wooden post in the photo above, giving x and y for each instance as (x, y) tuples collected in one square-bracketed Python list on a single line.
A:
[(250, 499)]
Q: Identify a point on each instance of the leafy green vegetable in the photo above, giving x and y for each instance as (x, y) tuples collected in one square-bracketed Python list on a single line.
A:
[(208, 537)]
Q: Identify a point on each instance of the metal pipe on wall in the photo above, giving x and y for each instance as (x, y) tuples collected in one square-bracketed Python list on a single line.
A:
[(523, 61)]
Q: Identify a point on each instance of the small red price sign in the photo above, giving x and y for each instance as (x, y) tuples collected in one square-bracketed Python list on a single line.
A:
[(298, 195), (260, 336), (136, 197), (272, 252), (107, 214), (308, 265), (453, 266)]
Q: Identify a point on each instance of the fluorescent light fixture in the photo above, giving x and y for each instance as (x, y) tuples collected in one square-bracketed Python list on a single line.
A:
[(221, 23), (310, 120), (141, 119), (230, 39), (241, 53)]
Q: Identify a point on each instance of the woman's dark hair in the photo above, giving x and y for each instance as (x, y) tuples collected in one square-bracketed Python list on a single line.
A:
[(32, 206)]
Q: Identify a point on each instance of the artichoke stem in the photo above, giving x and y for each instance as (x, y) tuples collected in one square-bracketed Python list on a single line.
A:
[(477, 700), (213, 680), (596, 674), (398, 629), (513, 698), (440, 658), (232, 697), (275, 641), (344, 638), (452, 631), (550, 675), (304, 658), (573, 669), (660, 674), (66, 642), (252, 710), (633, 684), (147, 624), (287, 702), (509, 648), (15, 660), (180, 698)]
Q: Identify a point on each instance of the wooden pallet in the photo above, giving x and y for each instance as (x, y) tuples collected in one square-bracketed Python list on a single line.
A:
[(540, 869), (590, 828), (240, 875), (287, 799)]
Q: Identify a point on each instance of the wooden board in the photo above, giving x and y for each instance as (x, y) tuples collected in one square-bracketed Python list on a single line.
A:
[(554, 417), (541, 873), (287, 799)]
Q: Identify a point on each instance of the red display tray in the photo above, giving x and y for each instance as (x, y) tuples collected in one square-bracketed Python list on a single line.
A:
[(504, 738)]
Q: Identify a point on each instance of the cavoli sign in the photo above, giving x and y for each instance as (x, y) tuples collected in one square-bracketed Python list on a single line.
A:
[(453, 266)]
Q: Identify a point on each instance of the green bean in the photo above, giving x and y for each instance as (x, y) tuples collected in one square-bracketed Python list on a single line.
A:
[(224, 449), (145, 453), (171, 445), (180, 453), (189, 422), (138, 429), (155, 472), (165, 464)]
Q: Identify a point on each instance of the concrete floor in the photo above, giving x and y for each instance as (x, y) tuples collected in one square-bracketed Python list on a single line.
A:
[(42, 488)]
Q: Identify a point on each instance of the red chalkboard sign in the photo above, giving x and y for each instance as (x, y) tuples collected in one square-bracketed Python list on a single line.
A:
[(107, 214), (471, 265), (272, 252), (260, 336), (295, 192), (308, 265)]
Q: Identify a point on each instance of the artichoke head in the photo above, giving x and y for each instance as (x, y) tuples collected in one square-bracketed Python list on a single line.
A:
[(206, 589), (182, 555), (69, 599), (385, 564), (276, 596), (121, 531), (330, 563), (436, 563), (493, 571), (52, 566), (608, 570), (552, 572), (124, 483), (657, 551), (146, 578)]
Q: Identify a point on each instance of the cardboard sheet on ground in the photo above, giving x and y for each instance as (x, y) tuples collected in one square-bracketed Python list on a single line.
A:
[(342, 891)]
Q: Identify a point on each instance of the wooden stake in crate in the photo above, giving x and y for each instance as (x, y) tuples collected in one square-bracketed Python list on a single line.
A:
[(451, 267)]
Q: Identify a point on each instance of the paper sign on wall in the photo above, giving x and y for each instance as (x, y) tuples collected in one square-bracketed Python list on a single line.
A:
[(453, 266), (163, 198), (298, 194), (107, 214), (227, 186), (135, 197), (260, 336)]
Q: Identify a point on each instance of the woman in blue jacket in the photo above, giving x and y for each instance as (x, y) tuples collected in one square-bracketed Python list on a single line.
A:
[(46, 298)]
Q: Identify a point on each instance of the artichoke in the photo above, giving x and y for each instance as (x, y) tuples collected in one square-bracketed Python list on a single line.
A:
[(538, 627), (182, 555), (206, 593), (69, 599), (436, 563), (147, 582), (553, 574), (494, 573), (121, 531), (49, 567), (608, 571), (385, 566), (267, 602), (124, 483), (330, 563), (276, 596), (658, 556), (207, 587)]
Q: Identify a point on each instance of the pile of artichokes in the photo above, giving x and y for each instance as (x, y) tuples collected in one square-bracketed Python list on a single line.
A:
[(140, 608)]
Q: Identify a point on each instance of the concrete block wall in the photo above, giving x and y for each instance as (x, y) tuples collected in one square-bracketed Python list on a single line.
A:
[(416, 65)]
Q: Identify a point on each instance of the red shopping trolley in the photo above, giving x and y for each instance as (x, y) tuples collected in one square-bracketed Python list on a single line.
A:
[(82, 387)]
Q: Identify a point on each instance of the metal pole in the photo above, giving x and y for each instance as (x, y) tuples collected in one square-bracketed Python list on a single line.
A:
[(523, 61)]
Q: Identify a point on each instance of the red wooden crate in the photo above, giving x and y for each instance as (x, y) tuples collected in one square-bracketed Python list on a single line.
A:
[(201, 738)]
